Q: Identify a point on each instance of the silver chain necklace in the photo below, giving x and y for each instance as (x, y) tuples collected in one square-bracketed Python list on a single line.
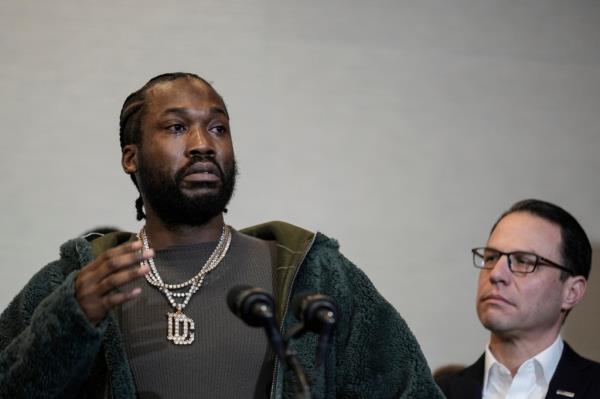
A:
[(180, 327)]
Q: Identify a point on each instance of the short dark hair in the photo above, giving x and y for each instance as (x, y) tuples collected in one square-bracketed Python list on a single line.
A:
[(130, 120), (576, 250)]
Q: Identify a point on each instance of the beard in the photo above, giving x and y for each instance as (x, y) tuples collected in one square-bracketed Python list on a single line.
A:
[(176, 208)]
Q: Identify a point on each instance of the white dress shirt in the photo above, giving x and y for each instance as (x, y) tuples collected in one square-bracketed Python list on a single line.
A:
[(532, 378)]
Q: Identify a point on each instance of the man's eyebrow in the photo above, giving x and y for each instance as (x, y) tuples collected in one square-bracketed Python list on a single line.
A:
[(187, 111)]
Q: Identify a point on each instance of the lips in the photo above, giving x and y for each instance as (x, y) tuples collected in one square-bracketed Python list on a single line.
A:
[(495, 298), (204, 171)]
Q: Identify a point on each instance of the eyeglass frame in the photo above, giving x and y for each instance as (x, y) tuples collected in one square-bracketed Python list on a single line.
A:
[(539, 261)]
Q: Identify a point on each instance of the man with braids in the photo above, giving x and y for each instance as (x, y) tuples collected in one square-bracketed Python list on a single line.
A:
[(144, 315)]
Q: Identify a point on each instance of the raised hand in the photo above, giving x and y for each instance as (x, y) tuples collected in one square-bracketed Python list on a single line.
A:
[(98, 287)]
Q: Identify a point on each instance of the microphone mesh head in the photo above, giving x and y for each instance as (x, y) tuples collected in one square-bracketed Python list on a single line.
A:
[(243, 301)]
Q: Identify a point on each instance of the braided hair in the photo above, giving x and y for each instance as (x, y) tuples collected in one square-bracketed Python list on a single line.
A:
[(130, 120)]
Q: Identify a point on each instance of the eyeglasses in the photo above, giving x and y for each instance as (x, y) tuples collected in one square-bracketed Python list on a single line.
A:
[(519, 262)]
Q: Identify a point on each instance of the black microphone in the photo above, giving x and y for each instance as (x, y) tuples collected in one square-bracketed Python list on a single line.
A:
[(318, 313), (256, 308)]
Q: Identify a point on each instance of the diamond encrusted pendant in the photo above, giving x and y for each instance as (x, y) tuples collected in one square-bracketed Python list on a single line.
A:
[(180, 328)]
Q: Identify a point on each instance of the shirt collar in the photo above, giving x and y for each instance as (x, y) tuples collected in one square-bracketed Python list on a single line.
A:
[(490, 361), (548, 359)]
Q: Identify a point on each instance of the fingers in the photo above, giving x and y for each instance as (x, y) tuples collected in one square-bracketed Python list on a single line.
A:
[(112, 261), (97, 307), (100, 285), (113, 273), (121, 278), (118, 297), (123, 256), (126, 248)]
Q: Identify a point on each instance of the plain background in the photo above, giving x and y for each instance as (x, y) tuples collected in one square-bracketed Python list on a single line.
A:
[(401, 128)]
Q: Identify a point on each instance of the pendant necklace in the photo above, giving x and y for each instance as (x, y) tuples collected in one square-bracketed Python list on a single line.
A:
[(180, 327)]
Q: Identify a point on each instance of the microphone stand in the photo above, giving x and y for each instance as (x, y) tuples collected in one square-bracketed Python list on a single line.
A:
[(316, 313), (294, 364), (287, 355), (296, 332)]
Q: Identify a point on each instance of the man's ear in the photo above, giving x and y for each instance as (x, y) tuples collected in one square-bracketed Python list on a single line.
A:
[(129, 160), (573, 291)]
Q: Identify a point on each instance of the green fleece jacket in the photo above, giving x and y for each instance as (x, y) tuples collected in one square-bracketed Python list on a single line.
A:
[(50, 350)]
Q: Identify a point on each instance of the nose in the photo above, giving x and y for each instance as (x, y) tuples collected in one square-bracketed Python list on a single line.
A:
[(500, 273), (199, 143)]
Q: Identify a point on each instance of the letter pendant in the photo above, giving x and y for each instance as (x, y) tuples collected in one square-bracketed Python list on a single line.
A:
[(180, 328)]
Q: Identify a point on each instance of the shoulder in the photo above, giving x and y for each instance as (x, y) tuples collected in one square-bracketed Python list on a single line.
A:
[(576, 374), (324, 258), (327, 266), (570, 361), (326, 270), (463, 383), (283, 233), (569, 356), (73, 255), (43, 284), (80, 251)]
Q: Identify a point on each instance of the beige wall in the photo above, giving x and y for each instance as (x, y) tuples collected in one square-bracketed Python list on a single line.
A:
[(402, 128)]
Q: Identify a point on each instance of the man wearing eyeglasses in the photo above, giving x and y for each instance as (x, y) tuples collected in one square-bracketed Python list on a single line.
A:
[(534, 270)]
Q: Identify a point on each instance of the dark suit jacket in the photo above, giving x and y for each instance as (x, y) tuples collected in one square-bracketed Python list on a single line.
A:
[(574, 374)]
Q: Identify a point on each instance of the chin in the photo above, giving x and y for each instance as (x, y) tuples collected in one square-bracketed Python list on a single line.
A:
[(489, 317), (191, 190), (200, 195), (495, 324)]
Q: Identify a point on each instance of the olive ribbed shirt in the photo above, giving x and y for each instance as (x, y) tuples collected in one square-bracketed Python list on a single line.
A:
[(226, 357)]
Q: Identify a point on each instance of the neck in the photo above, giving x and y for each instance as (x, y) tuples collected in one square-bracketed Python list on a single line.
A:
[(512, 351), (164, 236)]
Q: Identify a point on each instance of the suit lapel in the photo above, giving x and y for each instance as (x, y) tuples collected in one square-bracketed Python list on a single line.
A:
[(472, 380), (568, 380)]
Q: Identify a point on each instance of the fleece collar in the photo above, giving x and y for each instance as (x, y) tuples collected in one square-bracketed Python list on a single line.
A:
[(293, 243)]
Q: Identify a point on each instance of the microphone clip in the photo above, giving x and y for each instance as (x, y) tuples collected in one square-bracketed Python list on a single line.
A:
[(317, 313)]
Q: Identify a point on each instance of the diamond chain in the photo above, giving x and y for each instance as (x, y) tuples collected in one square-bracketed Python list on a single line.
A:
[(154, 279)]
